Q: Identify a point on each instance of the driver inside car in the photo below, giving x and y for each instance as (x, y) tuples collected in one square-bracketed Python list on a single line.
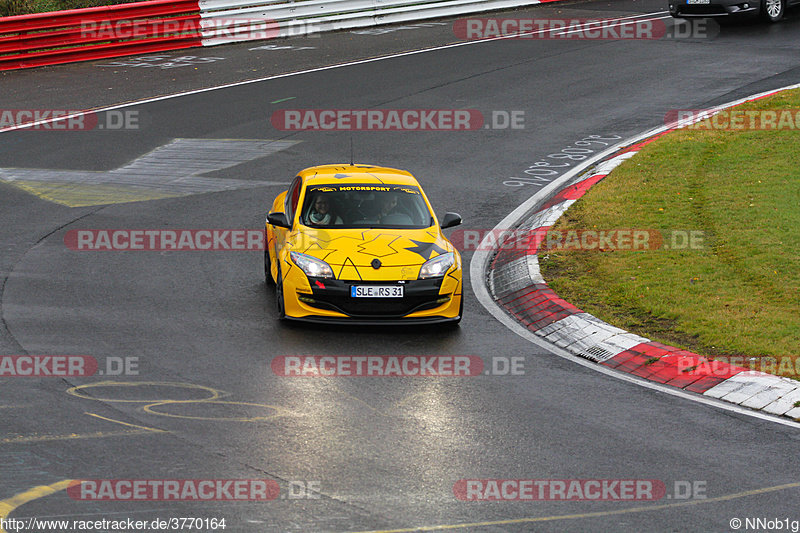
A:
[(320, 213)]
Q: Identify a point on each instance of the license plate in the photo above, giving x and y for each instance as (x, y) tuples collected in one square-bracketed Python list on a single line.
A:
[(698, 1), (376, 291)]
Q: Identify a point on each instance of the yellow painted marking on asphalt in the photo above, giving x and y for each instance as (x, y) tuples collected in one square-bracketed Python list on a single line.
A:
[(145, 428), (149, 409), (152, 404), (139, 430), (75, 436), (75, 195), (175, 169), (76, 391), (8, 505), (642, 509), (125, 423)]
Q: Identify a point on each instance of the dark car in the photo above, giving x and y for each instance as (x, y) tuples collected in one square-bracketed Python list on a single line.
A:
[(769, 10)]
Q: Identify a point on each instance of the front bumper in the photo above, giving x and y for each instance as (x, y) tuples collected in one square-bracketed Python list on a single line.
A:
[(329, 301), (350, 321), (717, 8)]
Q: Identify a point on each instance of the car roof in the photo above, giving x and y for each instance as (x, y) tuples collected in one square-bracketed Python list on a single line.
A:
[(368, 174)]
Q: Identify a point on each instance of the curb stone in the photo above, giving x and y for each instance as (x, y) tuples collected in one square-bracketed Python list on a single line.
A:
[(516, 285)]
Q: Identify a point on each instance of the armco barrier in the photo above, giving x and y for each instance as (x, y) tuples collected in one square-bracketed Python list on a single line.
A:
[(98, 32), (306, 16), (160, 25)]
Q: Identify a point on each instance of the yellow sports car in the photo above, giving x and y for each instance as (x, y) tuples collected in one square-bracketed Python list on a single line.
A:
[(360, 244)]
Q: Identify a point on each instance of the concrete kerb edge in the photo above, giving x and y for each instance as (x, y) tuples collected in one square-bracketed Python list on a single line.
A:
[(584, 339)]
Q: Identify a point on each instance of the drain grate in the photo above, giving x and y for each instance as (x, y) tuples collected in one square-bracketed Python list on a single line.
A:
[(597, 354)]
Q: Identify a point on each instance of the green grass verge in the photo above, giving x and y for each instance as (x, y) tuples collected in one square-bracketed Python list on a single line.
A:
[(740, 294), (26, 7)]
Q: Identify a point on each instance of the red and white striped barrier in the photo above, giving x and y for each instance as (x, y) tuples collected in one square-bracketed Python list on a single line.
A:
[(98, 33), (161, 25)]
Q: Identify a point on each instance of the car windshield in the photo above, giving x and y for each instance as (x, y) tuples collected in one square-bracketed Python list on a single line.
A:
[(367, 206)]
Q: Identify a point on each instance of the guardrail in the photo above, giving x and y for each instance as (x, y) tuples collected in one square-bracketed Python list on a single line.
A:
[(160, 25), (98, 32), (310, 16)]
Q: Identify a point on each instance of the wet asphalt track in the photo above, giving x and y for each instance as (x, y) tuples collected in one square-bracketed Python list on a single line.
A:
[(384, 453)]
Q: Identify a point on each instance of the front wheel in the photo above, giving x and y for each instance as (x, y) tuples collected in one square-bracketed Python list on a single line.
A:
[(268, 270), (280, 305), (773, 10)]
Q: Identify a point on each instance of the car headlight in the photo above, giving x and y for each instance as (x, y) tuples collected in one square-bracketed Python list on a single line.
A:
[(312, 266), (436, 267)]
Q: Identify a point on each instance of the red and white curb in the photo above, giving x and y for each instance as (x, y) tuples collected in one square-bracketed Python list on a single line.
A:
[(514, 283)]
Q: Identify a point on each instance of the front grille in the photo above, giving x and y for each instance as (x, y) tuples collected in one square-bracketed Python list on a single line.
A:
[(418, 295)]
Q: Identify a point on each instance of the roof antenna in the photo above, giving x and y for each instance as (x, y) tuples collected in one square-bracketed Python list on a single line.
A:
[(351, 149)]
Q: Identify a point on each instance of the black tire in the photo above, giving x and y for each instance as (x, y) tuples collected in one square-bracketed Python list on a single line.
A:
[(773, 10), (280, 305), (268, 270)]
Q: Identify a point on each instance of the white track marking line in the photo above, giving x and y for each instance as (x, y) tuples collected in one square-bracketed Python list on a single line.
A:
[(285, 75)]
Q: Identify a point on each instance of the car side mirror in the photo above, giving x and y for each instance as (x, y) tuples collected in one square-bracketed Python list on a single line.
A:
[(450, 220), (278, 219)]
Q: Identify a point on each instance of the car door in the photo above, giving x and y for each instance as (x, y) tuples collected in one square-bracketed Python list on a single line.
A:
[(290, 204)]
